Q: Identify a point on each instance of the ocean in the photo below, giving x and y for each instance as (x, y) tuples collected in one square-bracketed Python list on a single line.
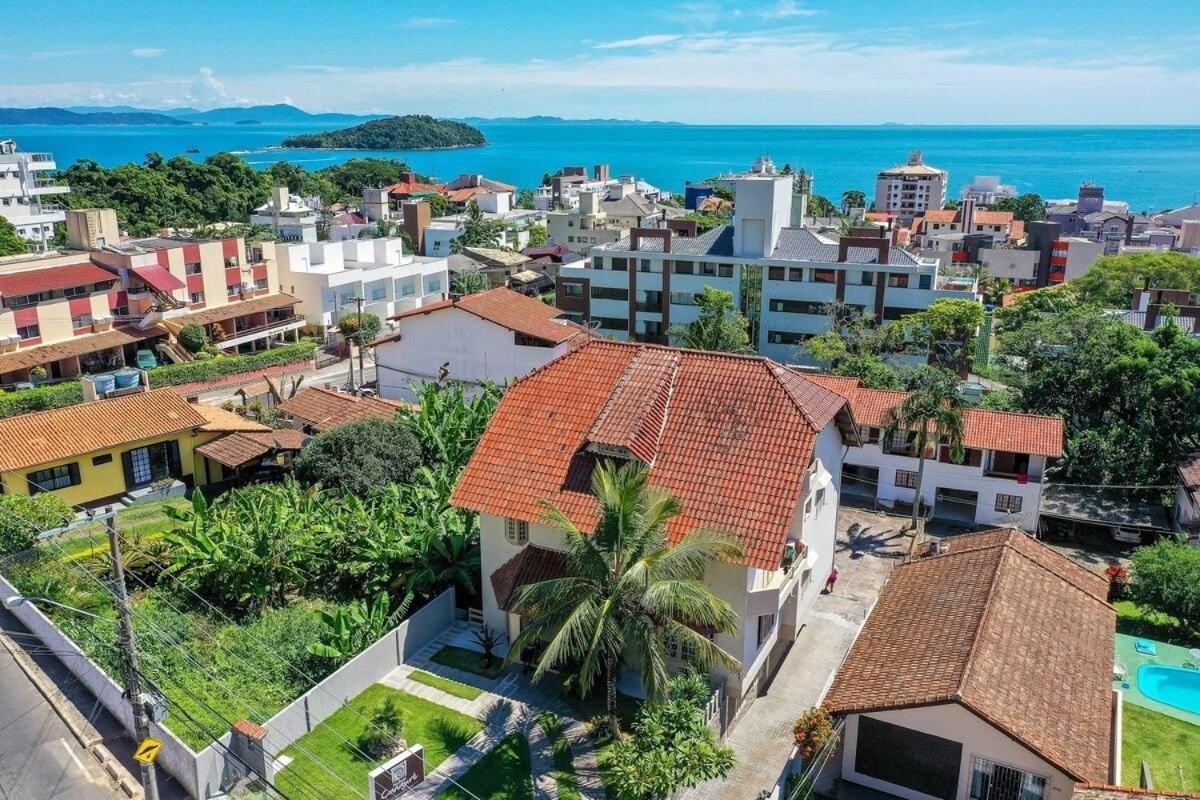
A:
[(1152, 168)]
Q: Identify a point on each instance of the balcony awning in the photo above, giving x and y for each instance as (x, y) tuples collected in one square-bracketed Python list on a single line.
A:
[(159, 278)]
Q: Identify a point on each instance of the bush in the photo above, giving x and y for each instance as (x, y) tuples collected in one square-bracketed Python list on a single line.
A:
[(40, 398), (350, 324), (1166, 578), (212, 369), (193, 337), (382, 738), (813, 731), (360, 457), (22, 518)]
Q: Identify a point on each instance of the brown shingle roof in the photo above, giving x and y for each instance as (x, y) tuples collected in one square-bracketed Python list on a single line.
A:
[(237, 449), (505, 308), (80, 345), (532, 565), (729, 436), (1018, 634), (238, 309), (222, 421), (44, 437), (324, 409)]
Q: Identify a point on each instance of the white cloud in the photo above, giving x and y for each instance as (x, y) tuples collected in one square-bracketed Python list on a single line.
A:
[(786, 9), (147, 52), (429, 22), (641, 41)]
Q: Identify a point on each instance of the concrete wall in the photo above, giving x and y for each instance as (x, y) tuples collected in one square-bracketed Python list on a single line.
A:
[(978, 738)]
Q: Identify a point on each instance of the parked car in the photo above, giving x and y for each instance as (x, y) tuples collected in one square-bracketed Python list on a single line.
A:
[(146, 360)]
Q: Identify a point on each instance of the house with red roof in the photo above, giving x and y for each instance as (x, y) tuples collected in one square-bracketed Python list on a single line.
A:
[(498, 335), (998, 482), (746, 445)]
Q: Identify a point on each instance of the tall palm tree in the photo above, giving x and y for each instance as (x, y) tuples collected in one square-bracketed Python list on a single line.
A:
[(628, 592), (932, 414)]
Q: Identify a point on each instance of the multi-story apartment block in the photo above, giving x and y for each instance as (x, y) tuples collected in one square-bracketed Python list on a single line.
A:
[(998, 482), (328, 277), (985, 190), (1000, 227), (293, 218), (564, 189), (91, 308), (909, 190), (603, 217), (781, 277), (28, 193), (746, 445)]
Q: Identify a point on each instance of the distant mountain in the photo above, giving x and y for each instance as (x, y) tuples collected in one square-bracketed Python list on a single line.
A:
[(62, 116), (545, 120), (411, 132), (279, 114)]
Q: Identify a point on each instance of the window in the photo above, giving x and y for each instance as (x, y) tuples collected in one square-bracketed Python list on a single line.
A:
[(261, 283), (75, 291), (787, 337), (924, 281), (681, 650), (766, 626), (609, 293), (144, 465), (29, 332), (434, 284), (990, 780), (194, 267), (106, 458), (620, 264), (795, 274), (1008, 503), (47, 480), (573, 290), (197, 297), (906, 479), (775, 273), (682, 268), (377, 292), (897, 280), (725, 270), (824, 276), (233, 288), (230, 262), (612, 323), (119, 311), (796, 307), (684, 298), (646, 266), (516, 531), (820, 499), (597, 263), (81, 321), (708, 269)]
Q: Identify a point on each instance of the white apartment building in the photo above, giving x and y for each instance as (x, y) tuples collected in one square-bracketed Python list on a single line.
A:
[(603, 217), (985, 190), (28, 195), (442, 231), (909, 190), (565, 195), (998, 482), (292, 217), (782, 278), (328, 277)]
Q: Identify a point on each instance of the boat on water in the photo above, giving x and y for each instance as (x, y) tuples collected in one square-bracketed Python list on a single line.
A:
[(192, 150)]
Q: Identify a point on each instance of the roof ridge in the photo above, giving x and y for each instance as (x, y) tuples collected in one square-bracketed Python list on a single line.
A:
[(1008, 545), (776, 371), (983, 618)]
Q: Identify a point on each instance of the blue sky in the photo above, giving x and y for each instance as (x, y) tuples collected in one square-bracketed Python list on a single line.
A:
[(774, 61)]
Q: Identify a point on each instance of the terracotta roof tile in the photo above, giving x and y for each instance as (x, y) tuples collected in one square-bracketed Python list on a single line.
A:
[(985, 429), (222, 421), (324, 408), (734, 446), (532, 565), (250, 729), (1014, 632), (237, 449), (237, 309), (508, 309), (43, 280), (47, 436)]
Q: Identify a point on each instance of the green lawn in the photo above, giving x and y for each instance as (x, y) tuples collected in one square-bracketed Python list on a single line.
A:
[(1168, 744), (503, 774), (145, 521), (446, 685), (564, 762), (467, 661), (1135, 621), (439, 729)]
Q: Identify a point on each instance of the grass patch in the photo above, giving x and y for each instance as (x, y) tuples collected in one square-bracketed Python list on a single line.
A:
[(503, 774), (142, 523), (1169, 745), (564, 762), (446, 685), (439, 729), (1133, 620), (467, 661)]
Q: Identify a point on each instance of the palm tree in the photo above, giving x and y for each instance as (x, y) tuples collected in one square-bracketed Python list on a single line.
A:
[(628, 592), (932, 414)]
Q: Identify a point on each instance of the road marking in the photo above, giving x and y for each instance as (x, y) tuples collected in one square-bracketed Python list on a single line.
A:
[(74, 757)]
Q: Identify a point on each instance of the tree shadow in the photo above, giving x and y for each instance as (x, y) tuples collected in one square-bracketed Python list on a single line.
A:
[(864, 540)]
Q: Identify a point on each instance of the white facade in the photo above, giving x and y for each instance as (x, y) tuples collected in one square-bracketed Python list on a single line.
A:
[(292, 217), (1018, 266), (28, 197), (471, 348), (543, 197), (442, 231), (910, 189), (985, 190), (329, 276), (980, 742)]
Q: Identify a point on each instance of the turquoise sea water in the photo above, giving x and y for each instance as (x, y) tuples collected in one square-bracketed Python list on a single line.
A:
[(1150, 167)]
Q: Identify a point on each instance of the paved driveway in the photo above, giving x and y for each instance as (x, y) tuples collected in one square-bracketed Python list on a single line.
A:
[(762, 737)]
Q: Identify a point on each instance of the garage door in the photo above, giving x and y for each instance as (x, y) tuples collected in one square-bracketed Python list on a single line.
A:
[(906, 757)]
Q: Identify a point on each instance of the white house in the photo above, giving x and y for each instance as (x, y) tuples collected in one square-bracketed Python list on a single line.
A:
[(29, 196), (329, 276), (999, 481), (746, 445), (497, 335), (984, 671), (292, 217)]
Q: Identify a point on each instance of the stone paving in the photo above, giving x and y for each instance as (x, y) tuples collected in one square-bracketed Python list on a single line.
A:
[(762, 736)]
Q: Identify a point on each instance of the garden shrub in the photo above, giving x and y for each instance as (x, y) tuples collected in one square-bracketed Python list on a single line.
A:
[(382, 738), (40, 398), (212, 369), (193, 337), (360, 457), (23, 517)]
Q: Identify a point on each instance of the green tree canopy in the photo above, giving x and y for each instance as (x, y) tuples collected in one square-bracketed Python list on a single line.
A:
[(11, 244), (706, 222), (720, 325), (1166, 578), (352, 325), (1028, 207), (360, 457), (23, 517), (819, 206), (478, 231), (1112, 279), (853, 198), (538, 236)]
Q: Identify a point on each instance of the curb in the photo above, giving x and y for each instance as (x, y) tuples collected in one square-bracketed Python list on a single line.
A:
[(83, 731)]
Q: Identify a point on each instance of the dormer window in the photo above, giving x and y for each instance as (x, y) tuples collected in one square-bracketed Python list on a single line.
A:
[(516, 531)]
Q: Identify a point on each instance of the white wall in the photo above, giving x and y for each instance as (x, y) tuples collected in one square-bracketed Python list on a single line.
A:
[(764, 207), (978, 738)]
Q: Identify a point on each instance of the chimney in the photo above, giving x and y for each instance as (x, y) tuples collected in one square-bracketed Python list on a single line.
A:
[(416, 220), (872, 239)]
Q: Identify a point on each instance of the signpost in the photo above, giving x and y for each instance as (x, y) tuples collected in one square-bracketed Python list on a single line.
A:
[(396, 777), (147, 751)]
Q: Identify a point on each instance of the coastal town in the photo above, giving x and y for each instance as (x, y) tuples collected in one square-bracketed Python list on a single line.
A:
[(356, 480)]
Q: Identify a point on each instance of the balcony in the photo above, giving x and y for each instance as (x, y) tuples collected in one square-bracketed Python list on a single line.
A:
[(271, 328)]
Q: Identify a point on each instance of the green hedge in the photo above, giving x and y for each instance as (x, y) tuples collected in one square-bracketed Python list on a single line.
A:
[(196, 371), (41, 398)]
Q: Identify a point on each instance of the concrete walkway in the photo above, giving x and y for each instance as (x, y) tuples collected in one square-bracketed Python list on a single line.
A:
[(762, 737)]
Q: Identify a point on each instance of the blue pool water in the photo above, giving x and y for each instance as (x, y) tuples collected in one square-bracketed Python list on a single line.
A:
[(1174, 686)]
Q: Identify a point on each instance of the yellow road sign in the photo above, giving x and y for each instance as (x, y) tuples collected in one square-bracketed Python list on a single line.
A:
[(147, 751)]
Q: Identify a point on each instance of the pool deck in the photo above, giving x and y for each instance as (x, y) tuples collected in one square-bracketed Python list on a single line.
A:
[(1131, 660)]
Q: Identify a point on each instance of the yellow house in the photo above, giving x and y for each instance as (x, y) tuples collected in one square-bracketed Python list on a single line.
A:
[(102, 450)]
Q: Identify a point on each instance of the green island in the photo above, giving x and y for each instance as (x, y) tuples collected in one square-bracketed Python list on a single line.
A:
[(409, 132)]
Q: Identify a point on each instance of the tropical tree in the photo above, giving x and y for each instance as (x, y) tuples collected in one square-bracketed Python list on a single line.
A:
[(720, 325), (538, 236), (627, 593), (478, 231), (525, 199), (470, 281), (929, 416), (350, 629), (448, 423), (1028, 207), (10, 243), (853, 198), (359, 457), (820, 206)]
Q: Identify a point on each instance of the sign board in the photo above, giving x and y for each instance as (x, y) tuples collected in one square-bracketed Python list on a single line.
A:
[(147, 751), (398, 776)]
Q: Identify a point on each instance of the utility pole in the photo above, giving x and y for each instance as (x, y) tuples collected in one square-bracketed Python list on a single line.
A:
[(362, 375), (128, 643)]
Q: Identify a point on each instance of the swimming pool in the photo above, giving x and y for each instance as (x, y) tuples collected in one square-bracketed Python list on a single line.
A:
[(1174, 686)]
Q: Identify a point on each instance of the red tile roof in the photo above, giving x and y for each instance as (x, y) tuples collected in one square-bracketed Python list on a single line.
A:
[(532, 565), (14, 284), (324, 409), (985, 429), (981, 217), (507, 309), (730, 436), (1018, 634), (159, 278)]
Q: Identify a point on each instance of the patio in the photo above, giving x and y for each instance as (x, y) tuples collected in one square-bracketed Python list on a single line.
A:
[(1129, 661)]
